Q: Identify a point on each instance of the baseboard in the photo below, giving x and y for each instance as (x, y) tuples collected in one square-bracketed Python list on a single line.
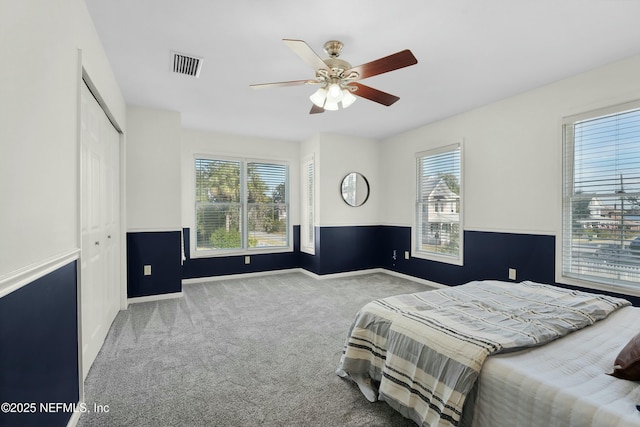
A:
[(291, 270), (414, 279), (344, 274), (240, 276), (150, 298), (311, 274), (75, 417), (372, 271)]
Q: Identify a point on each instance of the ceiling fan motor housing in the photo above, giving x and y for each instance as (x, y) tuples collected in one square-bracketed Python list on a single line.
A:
[(337, 67), (333, 48)]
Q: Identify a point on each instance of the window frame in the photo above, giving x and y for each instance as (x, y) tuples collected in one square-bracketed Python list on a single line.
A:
[(244, 232), (568, 194), (458, 258)]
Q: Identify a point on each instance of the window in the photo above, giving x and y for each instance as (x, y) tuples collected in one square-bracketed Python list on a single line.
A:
[(438, 200), (241, 205), (307, 227), (601, 196)]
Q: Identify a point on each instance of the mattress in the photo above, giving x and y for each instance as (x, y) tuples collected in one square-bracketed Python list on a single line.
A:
[(563, 383)]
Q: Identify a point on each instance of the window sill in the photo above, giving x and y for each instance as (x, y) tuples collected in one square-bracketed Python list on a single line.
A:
[(598, 286), (438, 258), (242, 252)]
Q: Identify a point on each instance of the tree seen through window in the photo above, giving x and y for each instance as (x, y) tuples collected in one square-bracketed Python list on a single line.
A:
[(241, 204)]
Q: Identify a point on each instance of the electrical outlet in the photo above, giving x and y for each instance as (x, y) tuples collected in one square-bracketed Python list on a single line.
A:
[(512, 274), (406, 254), (147, 270), (247, 259)]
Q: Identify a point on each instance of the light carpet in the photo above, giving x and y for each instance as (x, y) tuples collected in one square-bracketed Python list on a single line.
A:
[(259, 351)]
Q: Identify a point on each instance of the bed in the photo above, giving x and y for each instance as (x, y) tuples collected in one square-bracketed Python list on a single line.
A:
[(492, 353), (564, 383)]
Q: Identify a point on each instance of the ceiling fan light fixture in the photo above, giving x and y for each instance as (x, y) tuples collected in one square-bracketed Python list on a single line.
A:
[(347, 98), (334, 92), (319, 97), (332, 97), (330, 105)]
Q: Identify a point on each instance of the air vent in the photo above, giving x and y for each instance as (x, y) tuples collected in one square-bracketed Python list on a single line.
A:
[(186, 64)]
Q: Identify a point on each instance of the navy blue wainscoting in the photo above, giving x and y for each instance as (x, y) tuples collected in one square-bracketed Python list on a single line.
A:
[(312, 262), (487, 255), (349, 248), (221, 266), (162, 251), (39, 348)]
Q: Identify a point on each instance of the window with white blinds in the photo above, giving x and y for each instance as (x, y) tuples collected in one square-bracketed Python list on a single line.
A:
[(241, 205), (437, 232), (307, 228), (601, 197)]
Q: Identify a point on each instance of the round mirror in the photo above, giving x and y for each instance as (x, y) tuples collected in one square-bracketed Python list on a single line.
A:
[(354, 189)]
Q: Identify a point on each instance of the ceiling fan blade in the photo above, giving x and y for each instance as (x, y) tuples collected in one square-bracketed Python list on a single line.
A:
[(374, 95), (315, 109), (283, 84), (383, 65), (304, 51)]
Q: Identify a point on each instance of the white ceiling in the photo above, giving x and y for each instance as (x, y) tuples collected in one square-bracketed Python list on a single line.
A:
[(470, 53)]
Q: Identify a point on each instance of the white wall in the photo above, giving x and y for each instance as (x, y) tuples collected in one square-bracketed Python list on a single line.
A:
[(339, 155), (39, 92), (198, 142), (153, 170), (512, 152)]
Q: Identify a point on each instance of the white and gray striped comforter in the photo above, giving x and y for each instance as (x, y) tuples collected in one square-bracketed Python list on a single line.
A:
[(424, 351)]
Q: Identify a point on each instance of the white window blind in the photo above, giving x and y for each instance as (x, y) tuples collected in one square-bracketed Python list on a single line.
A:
[(267, 207), (438, 201), (601, 197), (218, 204), (240, 205), (307, 228)]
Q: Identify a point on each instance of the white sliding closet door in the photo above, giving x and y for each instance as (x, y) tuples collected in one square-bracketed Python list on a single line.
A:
[(100, 222)]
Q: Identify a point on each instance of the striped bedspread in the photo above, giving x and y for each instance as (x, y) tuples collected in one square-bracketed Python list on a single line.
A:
[(424, 351)]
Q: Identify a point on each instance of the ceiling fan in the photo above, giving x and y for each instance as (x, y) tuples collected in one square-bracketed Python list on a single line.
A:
[(338, 79)]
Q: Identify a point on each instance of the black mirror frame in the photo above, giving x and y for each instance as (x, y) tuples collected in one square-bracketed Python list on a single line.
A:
[(366, 181)]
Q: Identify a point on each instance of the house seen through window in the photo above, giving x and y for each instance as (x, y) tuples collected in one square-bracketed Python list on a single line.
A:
[(601, 206), (438, 200)]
